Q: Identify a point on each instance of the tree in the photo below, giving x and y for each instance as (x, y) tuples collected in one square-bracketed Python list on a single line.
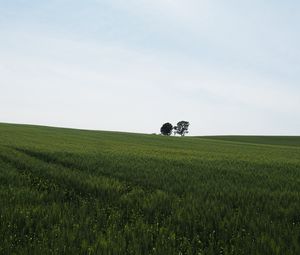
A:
[(182, 128), (166, 129)]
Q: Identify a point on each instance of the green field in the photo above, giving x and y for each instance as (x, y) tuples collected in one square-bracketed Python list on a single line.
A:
[(65, 191), (271, 140)]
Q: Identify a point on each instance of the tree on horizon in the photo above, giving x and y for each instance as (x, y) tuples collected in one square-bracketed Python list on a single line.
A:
[(181, 128), (166, 129)]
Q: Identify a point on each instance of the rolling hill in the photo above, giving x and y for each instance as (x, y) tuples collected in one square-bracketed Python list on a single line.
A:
[(65, 191)]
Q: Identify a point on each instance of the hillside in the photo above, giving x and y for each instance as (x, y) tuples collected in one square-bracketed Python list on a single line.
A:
[(267, 140), (65, 191)]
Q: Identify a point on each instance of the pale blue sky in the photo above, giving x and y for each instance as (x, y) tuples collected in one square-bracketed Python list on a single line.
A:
[(228, 67)]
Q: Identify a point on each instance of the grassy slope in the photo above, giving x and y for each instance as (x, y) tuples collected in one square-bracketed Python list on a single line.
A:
[(271, 140), (66, 191)]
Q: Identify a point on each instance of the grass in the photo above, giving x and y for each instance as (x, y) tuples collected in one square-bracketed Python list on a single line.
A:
[(271, 140), (65, 191)]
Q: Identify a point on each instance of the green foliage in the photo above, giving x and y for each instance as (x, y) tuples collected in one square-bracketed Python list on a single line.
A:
[(66, 191), (166, 129), (182, 128)]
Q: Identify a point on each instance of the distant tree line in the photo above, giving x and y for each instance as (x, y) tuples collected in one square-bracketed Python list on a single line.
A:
[(181, 128)]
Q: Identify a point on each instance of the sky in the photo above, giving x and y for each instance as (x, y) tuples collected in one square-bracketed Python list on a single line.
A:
[(228, 67)]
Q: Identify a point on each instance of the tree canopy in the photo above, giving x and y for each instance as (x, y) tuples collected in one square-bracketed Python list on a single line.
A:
[(182, 128), (166, 129)]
